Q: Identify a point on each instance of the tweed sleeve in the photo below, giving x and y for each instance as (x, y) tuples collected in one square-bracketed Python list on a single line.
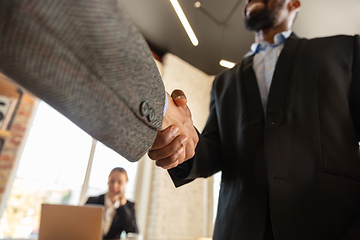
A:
[(87, 60)]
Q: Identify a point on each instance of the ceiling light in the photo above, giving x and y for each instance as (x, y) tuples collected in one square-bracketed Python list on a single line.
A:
[(226, 64), (184, 22)]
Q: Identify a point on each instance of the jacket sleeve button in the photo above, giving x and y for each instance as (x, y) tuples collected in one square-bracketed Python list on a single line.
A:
[(151, 115), (144, 108)]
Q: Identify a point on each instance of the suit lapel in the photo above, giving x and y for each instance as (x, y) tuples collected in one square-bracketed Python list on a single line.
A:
[(114, 225), (280, 82), (101, 199), (254, 106)]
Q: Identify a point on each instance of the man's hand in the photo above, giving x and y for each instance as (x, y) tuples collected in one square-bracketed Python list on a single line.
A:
[(177, 140)]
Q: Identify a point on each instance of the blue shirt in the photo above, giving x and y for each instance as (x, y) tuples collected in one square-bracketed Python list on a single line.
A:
[(264, 62)]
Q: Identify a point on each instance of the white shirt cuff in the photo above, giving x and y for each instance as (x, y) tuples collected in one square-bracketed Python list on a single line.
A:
[(166, 104)]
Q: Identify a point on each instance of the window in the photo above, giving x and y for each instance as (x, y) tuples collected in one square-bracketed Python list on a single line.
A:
[(52, 169), (106, 159)]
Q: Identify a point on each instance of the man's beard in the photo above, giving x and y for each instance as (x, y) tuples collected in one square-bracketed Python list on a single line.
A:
[(261, 20), (265, 18)]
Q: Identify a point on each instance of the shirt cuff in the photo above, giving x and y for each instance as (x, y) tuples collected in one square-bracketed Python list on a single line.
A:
[(166, 104)]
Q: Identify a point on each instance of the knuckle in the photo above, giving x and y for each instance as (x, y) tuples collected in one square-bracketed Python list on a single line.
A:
[(176, 144), (173, 158)]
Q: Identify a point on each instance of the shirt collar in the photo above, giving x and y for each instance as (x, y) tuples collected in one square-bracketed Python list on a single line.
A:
[(279, 38), (109, 204)]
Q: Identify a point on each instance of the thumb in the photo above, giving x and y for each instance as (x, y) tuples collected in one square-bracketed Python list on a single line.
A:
[(179, 97), (180, 100)]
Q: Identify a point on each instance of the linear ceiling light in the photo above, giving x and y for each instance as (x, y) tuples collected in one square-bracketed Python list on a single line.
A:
[(184, 22), (226, 64)]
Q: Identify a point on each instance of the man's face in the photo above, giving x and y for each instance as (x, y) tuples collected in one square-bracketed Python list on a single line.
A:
[(262, 14)]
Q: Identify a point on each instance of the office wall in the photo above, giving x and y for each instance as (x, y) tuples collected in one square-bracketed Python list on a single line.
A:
[(325, 18)]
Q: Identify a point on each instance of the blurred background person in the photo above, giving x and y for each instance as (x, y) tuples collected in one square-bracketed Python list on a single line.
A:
[(119, 213)]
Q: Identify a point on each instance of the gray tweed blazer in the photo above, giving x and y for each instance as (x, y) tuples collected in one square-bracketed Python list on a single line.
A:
[(87, 60)]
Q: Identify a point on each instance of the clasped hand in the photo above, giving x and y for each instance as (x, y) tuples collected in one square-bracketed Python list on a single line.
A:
[(176, 141)]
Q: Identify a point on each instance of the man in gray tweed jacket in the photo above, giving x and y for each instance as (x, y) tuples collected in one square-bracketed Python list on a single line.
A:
[(87, 60)]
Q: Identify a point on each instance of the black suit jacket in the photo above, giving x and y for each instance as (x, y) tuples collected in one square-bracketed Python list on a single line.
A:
[(299, 161), (124, 219)]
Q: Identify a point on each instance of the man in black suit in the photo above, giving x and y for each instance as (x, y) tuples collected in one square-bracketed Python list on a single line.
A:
[(284, 129)]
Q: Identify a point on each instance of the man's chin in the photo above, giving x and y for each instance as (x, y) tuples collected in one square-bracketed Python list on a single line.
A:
[(252, 26), (258, 22)]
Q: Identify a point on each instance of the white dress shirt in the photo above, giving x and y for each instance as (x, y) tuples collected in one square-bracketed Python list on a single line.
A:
[(264, 62), (109, 213)]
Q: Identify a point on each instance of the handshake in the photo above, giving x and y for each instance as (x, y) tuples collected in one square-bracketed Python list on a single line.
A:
[(177, 139)]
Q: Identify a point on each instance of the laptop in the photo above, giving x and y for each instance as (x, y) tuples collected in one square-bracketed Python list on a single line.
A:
[(67, 222)]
